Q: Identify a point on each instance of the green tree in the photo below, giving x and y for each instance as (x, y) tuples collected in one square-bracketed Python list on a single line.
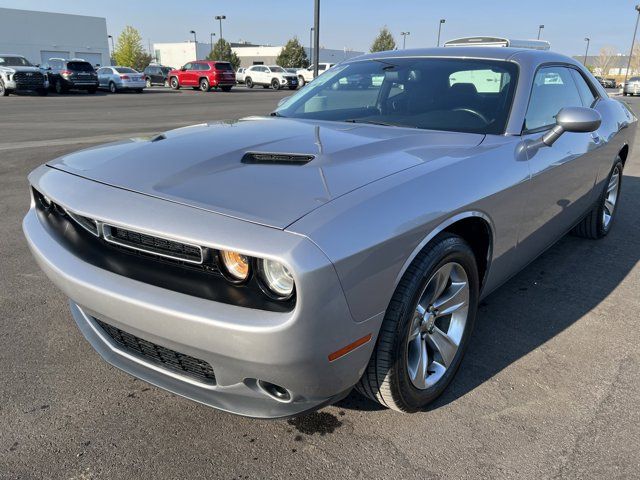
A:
[(129, 51), (222, 51), (384, 41), (293, 55)]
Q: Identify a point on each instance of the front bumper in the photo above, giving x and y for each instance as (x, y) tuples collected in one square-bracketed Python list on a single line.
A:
[(13, 86), (242, 345)]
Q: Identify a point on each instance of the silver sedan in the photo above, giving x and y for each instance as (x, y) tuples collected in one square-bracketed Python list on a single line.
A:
[(117, 79), (268, 266)]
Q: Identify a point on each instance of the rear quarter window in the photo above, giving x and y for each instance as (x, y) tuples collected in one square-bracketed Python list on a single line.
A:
[(224, 66)]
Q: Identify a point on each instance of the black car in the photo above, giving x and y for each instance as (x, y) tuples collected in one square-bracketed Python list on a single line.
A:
[(65, 75), (157, 75)]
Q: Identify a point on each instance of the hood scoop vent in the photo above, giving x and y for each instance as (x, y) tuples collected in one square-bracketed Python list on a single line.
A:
[(276, 158)]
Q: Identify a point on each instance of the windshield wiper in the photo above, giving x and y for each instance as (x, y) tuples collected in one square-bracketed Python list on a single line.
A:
[(376, 122)]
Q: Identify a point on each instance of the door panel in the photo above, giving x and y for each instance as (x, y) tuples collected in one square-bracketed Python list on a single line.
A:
[(563, 175)]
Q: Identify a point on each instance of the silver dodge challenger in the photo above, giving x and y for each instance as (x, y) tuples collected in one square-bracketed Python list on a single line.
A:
[(268, 266)]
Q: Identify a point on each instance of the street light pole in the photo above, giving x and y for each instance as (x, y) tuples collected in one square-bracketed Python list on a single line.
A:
[(633, 42), (404, 39), (211, 35), (442, 20), (195, 40), (311, 44), (540, 31), (112, 47), (586, 52), (316, 35), (220, 18)]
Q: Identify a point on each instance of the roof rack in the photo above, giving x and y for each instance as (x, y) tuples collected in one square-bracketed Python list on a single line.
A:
[(498, 42)]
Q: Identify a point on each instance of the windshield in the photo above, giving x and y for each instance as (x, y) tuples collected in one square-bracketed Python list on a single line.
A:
[(460, 95), (125, 70), (224, 66), (277, 69), (80, 66), (14, 62)]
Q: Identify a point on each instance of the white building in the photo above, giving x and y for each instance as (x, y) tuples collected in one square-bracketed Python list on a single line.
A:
[(177, 54), (42, 35)]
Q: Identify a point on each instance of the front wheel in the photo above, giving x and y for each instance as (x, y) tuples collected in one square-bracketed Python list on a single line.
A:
[(175, 84), (3, 90), (599, 220), (204, 85), (275, 84), (301, 81), (149, 85), (426, 328), (248, 82)]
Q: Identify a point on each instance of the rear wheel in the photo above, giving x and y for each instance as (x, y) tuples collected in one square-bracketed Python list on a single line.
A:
[(113, 88), (59, 87), (248, 82), (149, 84), (175, 84), (426, 328), (599, 220), (204, 85)]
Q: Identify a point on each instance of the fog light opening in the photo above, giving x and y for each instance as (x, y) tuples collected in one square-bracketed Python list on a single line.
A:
[(276, 392)]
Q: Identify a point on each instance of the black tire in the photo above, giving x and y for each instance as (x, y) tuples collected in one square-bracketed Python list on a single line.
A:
[(3, 90), (175, 84), (293, 87), (60, 88), (204, 85), (275, 84), (386, 379), (226, 88), (113, 88), (593, 226), (248, 82), (149, 84)]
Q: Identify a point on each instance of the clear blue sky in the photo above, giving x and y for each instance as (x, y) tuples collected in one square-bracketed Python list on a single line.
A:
[(354, 23)]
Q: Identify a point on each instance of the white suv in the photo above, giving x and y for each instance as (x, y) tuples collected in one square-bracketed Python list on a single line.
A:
[(305, 75), (270, 76)]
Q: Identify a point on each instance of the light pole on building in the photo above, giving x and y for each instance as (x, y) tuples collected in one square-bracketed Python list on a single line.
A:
[(633, 42), (220, 18), (540, 28), (442, 20), (404, 39)]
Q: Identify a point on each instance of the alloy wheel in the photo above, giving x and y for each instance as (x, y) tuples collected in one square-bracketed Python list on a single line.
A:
[(438, 325), (611, 198)]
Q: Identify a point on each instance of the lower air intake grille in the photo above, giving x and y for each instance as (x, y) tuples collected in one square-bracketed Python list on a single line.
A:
[(161, 356)]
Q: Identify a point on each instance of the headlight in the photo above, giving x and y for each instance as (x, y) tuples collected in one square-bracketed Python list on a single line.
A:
[(236, 266), (276, 278)]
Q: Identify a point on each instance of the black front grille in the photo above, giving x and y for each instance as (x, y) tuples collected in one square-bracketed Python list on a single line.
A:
[(151, 244), (161, 356), (28, 79)]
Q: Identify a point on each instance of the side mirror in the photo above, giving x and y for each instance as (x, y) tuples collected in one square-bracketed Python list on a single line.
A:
[(183, 69), (573, 119)]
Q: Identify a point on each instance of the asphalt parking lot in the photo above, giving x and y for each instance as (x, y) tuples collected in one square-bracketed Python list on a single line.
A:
[(548, 389)]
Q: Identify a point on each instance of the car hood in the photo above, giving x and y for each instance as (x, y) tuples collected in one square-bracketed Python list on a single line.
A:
[(202, 166)]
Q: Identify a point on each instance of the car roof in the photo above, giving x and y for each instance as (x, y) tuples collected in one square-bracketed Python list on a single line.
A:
[(484, 53)]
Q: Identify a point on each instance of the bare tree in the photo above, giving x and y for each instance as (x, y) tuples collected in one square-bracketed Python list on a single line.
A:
[(604, 61), (635, 59)]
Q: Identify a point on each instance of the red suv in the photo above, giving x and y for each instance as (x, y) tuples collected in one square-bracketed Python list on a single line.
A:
[(205, 75)]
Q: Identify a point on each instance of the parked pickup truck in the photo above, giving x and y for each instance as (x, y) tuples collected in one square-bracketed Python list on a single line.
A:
[(18, 74), (305, 75)]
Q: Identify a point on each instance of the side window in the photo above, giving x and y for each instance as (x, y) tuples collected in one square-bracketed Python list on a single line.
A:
[(588, 98), (188, 66), (553, 89)]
